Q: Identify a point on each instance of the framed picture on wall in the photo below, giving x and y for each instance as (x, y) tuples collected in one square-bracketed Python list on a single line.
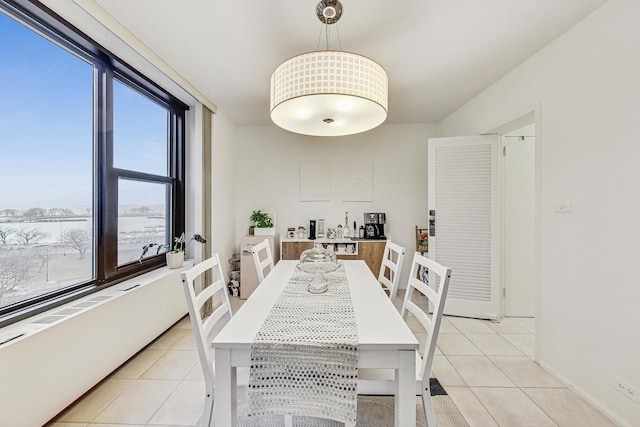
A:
[(315, 181), (357, 181)]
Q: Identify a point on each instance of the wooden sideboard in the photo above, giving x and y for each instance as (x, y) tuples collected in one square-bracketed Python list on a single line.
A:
[(370, 251), (293, 249)]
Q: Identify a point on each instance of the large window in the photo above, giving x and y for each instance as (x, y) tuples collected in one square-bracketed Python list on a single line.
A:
[(92, 164)]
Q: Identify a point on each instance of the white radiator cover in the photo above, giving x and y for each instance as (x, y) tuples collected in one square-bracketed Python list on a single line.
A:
[(52, 364)]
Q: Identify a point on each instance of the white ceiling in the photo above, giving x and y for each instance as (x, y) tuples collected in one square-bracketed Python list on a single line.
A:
[(438, 53)]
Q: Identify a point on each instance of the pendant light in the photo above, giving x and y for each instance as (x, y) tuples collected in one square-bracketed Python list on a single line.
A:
[(329, 92)]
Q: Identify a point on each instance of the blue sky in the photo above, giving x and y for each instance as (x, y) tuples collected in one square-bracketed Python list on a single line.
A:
[(46, 130)]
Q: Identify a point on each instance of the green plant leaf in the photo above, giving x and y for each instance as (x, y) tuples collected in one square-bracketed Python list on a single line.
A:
[(261, 219)]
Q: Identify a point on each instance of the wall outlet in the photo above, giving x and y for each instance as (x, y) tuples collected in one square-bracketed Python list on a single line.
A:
[(626, 389)]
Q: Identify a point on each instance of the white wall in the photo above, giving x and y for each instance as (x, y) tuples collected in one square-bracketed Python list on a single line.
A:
[(587, 84), (223, 198), (267, 175)]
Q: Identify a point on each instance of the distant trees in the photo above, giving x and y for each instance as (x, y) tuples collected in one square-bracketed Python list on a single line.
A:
[(142, 210), (5, 234), (35, 213), (59, 212), (33, 245), (16, 267), (29, 236), (32, 213), (78, 239), (23, 235)]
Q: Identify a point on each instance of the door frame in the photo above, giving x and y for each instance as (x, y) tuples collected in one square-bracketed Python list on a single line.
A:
[(516, 121)]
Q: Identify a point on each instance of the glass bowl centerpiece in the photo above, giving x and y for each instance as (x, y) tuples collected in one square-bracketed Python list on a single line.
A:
[(318, 261)]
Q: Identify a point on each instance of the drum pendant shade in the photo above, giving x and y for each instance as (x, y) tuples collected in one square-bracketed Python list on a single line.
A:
[(329, 93)]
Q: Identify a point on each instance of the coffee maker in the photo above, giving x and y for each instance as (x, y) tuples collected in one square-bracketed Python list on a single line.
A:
[(374, 225)]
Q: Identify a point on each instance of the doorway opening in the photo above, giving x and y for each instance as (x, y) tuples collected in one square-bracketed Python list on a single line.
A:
[(520, 235), (518, 222)]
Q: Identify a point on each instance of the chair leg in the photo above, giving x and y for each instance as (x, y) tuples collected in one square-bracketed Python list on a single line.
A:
[(427, 404), (207, 411)]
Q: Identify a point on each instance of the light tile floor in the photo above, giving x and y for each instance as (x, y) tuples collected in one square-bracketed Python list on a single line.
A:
[(486, 367)]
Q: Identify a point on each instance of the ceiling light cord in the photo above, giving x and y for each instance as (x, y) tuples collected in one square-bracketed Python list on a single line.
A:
[(327, 41), (327, 37), (319, 37)]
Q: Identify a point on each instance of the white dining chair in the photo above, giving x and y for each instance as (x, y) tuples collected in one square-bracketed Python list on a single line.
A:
[(381, 381), (389, 275), (205, 327), (263, 259)]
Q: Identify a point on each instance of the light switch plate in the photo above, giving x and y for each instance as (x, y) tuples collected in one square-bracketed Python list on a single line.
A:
[(563, 207), (626, 389)]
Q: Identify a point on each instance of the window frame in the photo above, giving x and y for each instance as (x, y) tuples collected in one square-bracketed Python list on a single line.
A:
[(107, 68)]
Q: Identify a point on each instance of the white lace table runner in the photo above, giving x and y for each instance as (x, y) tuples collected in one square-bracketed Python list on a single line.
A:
[(304, 358)]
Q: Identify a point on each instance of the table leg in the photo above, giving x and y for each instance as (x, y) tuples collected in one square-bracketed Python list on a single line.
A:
[(405, 389), (225, 404)]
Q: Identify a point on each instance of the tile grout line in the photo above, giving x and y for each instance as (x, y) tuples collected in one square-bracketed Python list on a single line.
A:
[(139, 377), (133, 381), (510, 378), (485, 408), (163, 403)]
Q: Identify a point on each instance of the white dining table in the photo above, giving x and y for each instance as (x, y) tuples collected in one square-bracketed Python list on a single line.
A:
[(384, 339)]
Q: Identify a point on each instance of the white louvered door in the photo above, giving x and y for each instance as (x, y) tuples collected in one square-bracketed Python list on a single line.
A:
[(464, 196)]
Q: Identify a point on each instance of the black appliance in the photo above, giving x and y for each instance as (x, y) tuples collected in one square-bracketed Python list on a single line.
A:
[(374, 225), (312, 229)]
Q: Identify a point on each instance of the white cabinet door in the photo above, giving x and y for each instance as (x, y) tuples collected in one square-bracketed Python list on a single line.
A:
[(464, 198)]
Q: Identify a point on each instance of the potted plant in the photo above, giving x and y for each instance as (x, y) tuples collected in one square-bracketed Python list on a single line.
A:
[(175, 253), (263, 223)]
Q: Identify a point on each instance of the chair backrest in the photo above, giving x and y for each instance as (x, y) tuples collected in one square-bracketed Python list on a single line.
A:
[(262, 258), (437, 295), (389, 275), (203, 328)]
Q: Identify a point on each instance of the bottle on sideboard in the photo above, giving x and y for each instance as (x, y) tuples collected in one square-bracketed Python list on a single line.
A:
[(345, 231)]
